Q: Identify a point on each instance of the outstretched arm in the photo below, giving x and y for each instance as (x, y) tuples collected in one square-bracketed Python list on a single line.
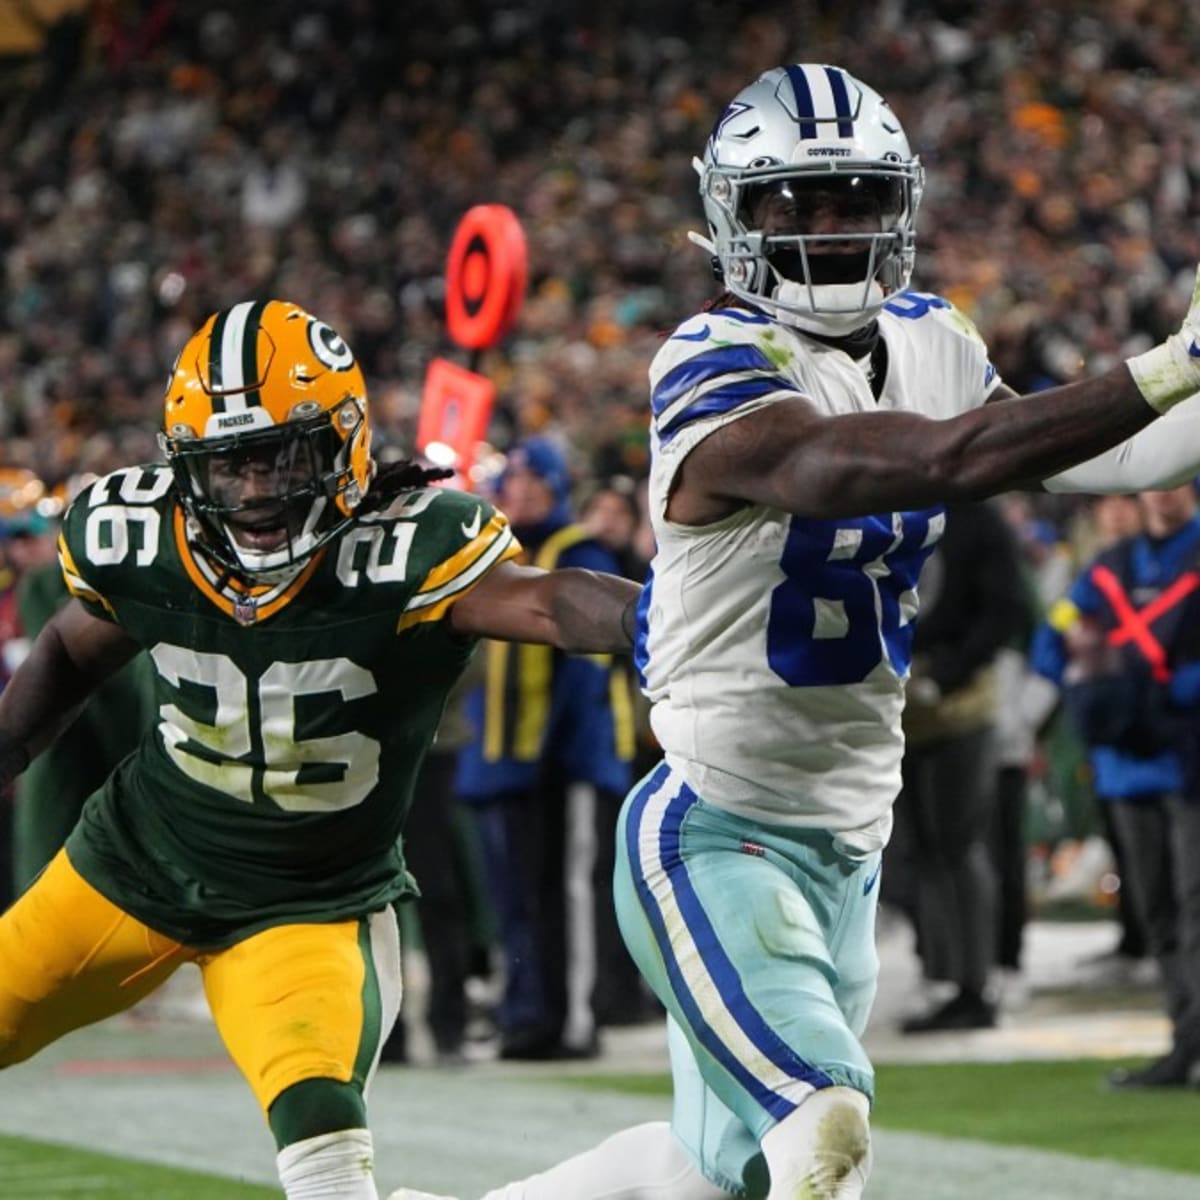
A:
[(790, 456), (71, 656), (584, 612)]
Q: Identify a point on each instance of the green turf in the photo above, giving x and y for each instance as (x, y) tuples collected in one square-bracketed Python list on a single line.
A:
[(40, 1171), (1061, 1106)]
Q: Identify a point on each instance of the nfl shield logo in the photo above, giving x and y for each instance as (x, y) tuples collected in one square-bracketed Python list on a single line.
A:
[(245, 610)]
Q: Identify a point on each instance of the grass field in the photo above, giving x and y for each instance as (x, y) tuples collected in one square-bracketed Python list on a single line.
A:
[(40, 1171), (1044, 1106)]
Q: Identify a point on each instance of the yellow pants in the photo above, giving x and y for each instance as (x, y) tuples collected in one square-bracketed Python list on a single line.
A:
[(291, 1003)]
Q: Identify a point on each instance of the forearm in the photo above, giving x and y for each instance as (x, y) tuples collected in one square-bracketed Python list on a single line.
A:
[(593, 612), (41, 700), (788, 456), (914, 462), (1164, 455)]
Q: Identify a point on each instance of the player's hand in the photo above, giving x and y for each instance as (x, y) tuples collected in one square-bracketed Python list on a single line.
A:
[(1171, 371)]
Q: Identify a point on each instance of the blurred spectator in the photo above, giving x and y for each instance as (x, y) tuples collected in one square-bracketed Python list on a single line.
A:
[(179, 157), (439, 840), (1105, 645), (972, 604), (611, 514), (547, 770), (1024, 702)]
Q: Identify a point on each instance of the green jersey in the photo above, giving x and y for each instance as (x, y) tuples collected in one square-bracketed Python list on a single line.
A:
[(292, 719)]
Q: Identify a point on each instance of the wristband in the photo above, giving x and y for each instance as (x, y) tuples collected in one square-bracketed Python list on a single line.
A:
[(1170, 372)]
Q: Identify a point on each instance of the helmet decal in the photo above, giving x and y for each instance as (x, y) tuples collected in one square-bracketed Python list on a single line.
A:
[(804, 81), (234, 371), (328, 346)]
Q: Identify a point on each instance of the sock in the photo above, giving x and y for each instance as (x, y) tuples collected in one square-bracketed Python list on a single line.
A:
[(340, 1165), (644, 1162), (823, 1149)]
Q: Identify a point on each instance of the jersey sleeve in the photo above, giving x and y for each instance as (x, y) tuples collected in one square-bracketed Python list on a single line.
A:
[(715, 365), (472, 538), (77, 570)]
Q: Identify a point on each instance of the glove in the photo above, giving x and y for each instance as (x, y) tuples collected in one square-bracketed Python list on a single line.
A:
[(1171, 371)]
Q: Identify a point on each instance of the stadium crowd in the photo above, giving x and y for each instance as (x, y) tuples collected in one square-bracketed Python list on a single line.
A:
[(164, 162), (161, 161)]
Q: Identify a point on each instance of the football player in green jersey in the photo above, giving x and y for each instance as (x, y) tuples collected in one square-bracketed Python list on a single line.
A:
[(306, 616)]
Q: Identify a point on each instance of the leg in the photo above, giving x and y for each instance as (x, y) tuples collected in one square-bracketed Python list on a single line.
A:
[(579, 902), (1008, 858), (1134, 941), (70, 957), (1185, 847), (1142, 828), (620, 996), (546, 846), (952, 803), (430, 846), (760, 942), (644, 1162), (303, 1011), (504, 822)]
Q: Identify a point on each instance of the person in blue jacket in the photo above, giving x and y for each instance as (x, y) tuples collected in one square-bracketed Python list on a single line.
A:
[(546, 771), (1109, 646)]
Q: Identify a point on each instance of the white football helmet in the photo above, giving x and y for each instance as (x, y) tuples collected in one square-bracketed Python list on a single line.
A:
[(822, 141)]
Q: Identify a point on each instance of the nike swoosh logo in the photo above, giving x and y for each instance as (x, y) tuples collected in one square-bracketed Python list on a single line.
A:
[(471, 528), (699, 336), (1194, 349), (870, 883)]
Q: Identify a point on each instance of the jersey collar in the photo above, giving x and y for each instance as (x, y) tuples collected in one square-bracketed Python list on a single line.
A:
[(246, 604)]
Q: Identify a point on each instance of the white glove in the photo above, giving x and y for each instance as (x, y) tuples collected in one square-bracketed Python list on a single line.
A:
[(1171, 371)]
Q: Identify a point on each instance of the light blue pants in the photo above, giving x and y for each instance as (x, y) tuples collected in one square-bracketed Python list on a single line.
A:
[(760, 942)]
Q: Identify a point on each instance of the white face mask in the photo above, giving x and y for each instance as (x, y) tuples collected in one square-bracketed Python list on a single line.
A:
[(834, 309)]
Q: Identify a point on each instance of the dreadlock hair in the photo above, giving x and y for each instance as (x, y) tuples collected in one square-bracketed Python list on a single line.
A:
[(393, 478), (724, 300)]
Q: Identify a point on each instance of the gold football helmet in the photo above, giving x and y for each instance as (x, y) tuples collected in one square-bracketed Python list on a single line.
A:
[(267, 431)]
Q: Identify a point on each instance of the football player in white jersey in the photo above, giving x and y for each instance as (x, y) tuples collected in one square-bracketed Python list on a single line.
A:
[(807, 429)]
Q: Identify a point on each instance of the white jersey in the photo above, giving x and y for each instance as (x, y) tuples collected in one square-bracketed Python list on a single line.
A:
[(774, 648)]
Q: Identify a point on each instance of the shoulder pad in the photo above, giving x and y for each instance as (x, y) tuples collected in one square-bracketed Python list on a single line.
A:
[(915, 306)]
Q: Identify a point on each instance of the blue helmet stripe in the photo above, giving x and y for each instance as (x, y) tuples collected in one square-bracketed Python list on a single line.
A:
[(841, 101), (804, 101)]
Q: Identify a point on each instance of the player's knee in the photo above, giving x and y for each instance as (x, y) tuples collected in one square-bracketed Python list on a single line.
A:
[(823, 1149), (340, 1164)]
